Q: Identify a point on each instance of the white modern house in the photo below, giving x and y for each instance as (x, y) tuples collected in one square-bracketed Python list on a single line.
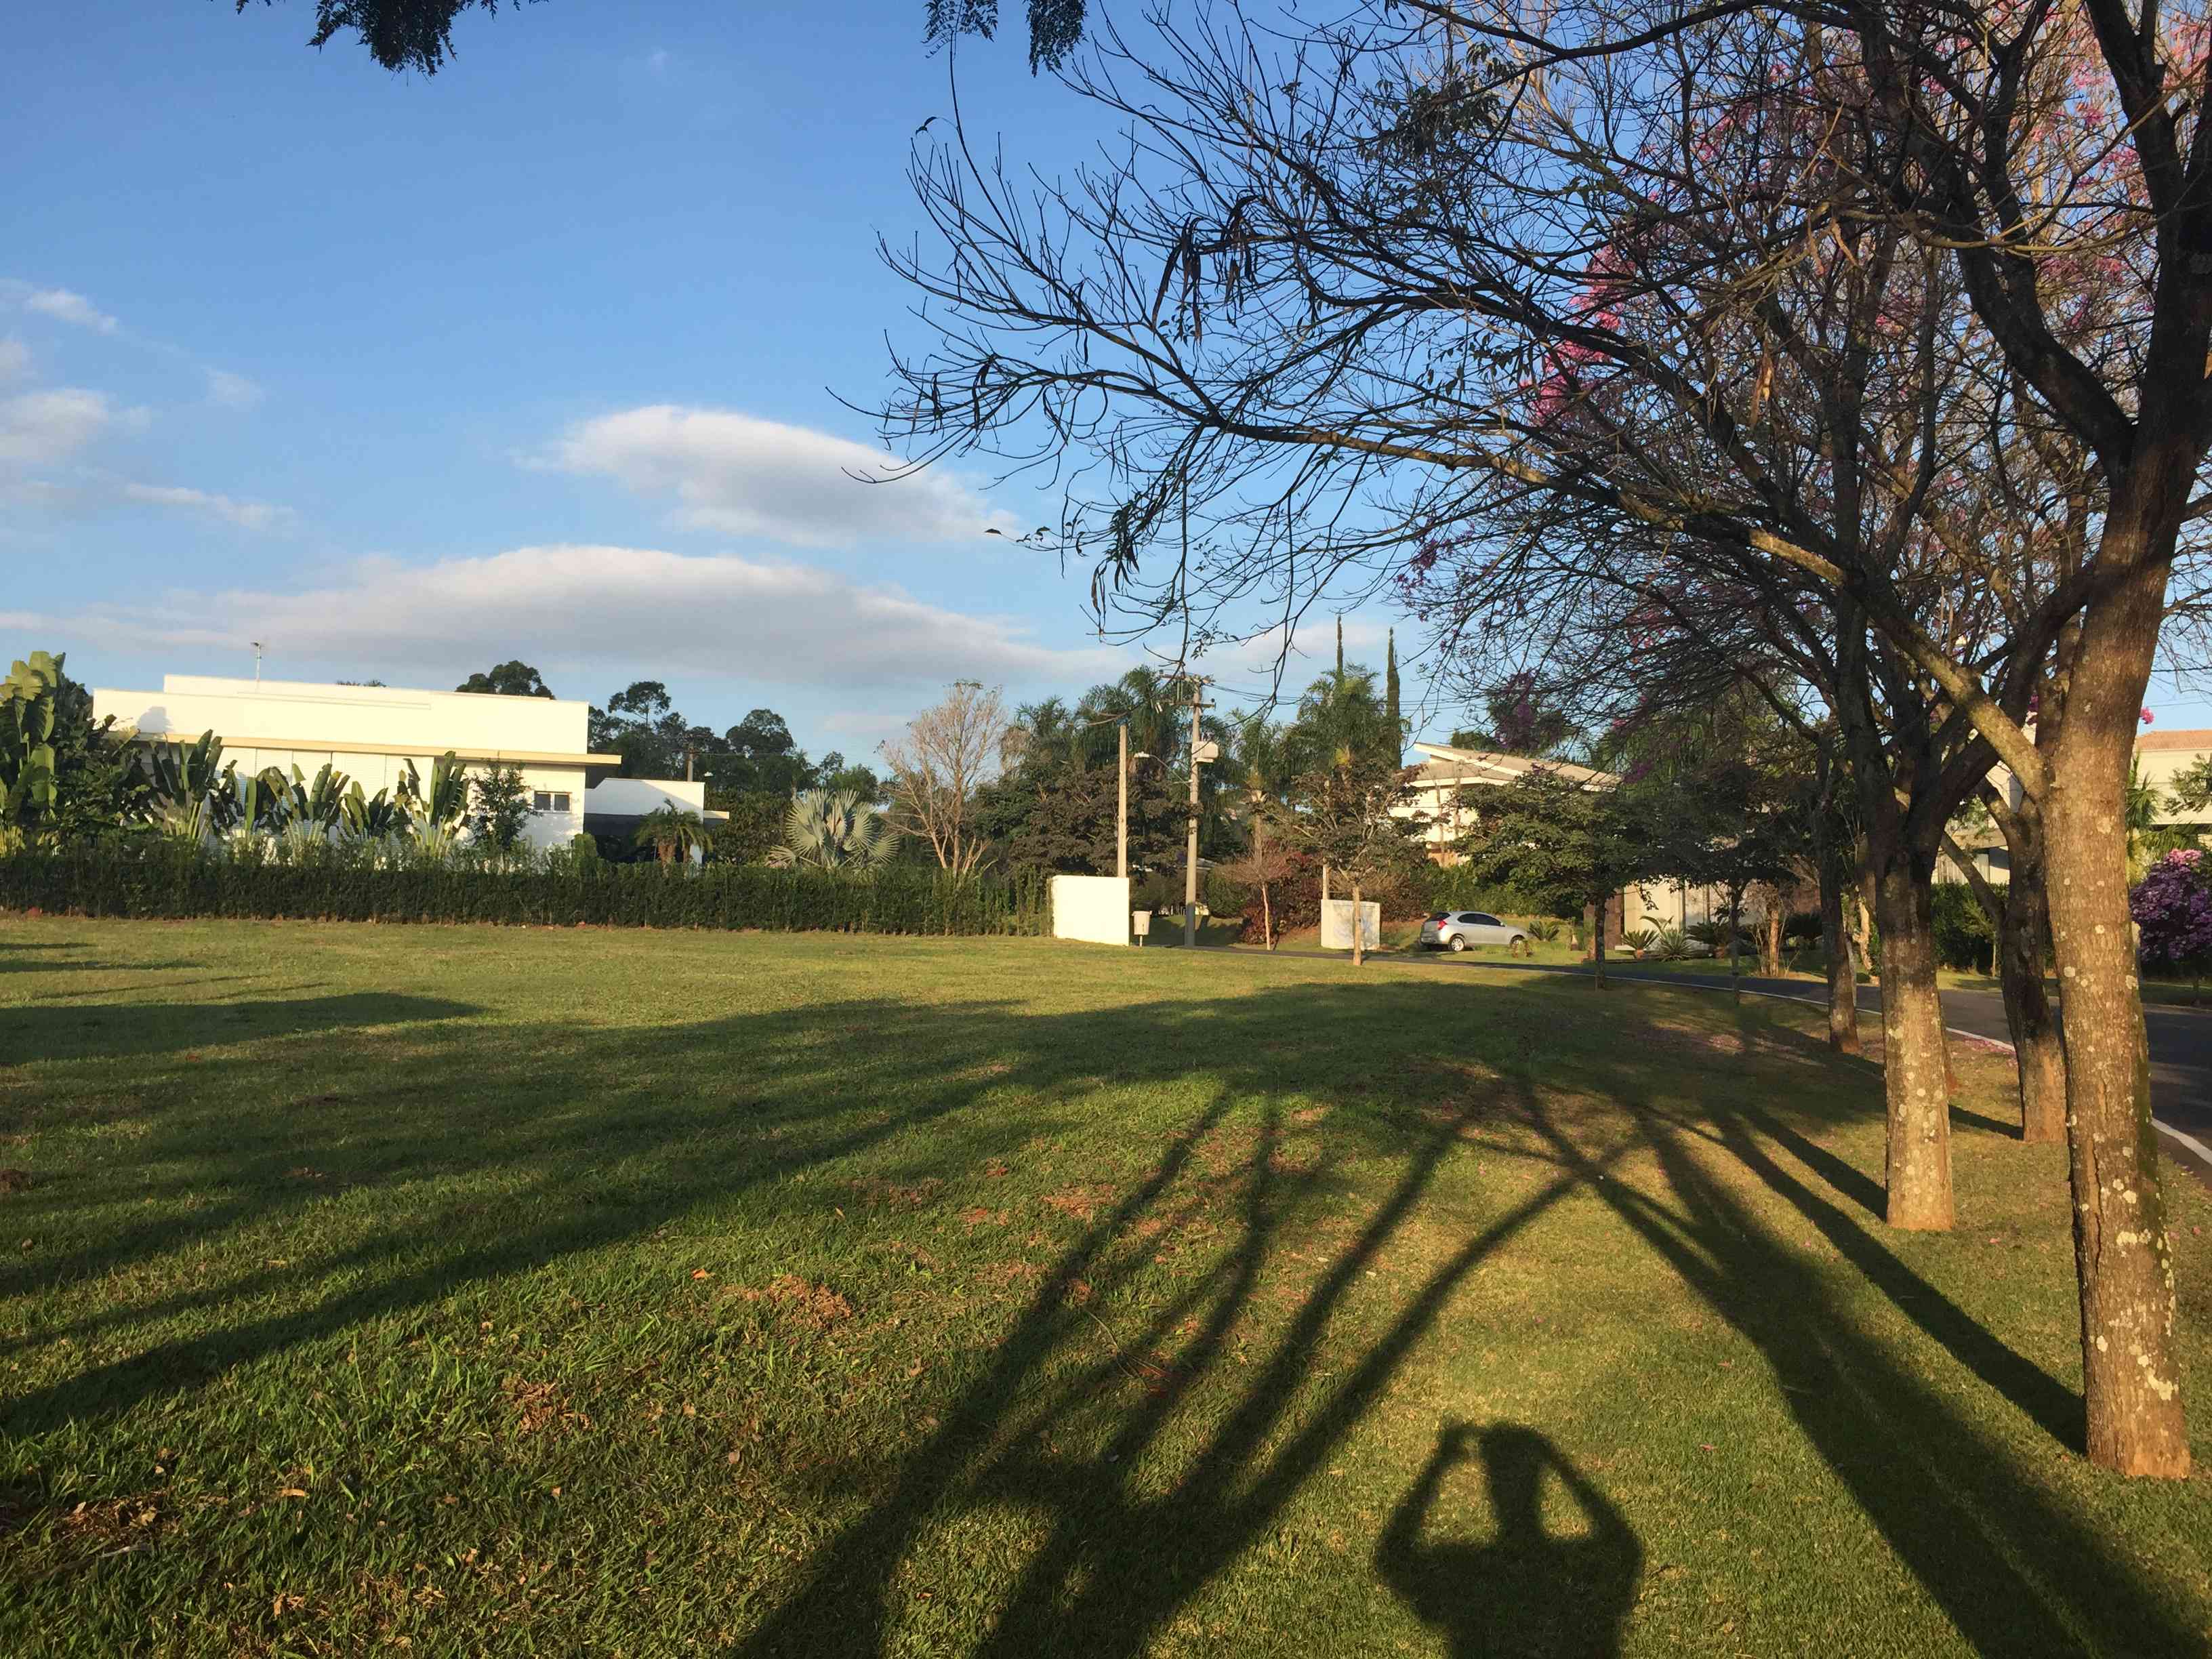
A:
[(1444, 817), (2160, 756), (1444, 771), (371, 732)]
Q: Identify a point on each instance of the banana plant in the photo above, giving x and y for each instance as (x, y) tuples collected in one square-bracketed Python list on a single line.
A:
[(434, 814), (264, 804), (371, 818), (317, 806), (28, 700), (192, 794)]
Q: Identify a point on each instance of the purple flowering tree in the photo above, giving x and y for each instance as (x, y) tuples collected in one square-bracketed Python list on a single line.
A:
[(2173, 905)]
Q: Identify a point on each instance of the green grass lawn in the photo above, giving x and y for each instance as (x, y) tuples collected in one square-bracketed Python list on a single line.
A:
[(497, 1290)]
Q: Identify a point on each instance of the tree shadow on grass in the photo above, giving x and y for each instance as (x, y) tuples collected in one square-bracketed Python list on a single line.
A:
[(1152, 1456), (2013, 1571), (129, 1030)]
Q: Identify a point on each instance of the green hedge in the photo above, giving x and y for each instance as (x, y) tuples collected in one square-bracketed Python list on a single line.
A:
[(168, 883)]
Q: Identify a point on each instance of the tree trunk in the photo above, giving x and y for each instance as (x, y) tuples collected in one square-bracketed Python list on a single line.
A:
[(1595, 914), (1830, 873), (1266, 918), (2021, 930), (1843, 968), (1358, 934), (2123, 1254), (1735, 936), (1915, 1069), (1770, 937)]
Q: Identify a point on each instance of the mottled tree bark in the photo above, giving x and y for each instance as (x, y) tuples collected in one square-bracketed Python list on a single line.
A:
[(1916, 1078), (1843, 968), (1770, 936), (1596, 913), (2124, 1257), (2019, 922), (1830, 870)]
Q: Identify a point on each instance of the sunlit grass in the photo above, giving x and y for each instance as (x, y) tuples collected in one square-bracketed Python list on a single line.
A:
[(508, 1290)]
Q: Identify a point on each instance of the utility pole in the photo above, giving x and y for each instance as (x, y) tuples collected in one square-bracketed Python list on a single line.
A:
[(1121, 823), (1190, 846), (256, 662)]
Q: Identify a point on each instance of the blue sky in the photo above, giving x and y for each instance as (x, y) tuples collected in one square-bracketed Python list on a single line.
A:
[(534, 358)]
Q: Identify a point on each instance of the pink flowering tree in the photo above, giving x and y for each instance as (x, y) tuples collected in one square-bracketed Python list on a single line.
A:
[(2172, 907)]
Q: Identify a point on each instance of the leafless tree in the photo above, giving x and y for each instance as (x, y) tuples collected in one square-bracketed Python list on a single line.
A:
[(1261, 866), (949, 752)]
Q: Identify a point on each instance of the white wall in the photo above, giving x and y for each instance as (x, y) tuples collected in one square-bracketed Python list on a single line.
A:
[(1092, 907), (371, 732), (1336, 925), (399, 719), (636, 797)]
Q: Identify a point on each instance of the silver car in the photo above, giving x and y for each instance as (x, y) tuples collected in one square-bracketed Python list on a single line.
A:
[(1462, 930)]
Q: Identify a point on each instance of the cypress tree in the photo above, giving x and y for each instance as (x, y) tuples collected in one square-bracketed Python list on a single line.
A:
[(1390, 687)]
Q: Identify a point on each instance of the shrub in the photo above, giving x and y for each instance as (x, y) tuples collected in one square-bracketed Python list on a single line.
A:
[(2172, 907), (1632, 939), (162, 880), (1668, 944), (1546, 928), (1801, 927)]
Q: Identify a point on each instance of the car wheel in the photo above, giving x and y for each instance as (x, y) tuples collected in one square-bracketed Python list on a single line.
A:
[(1459, 941), (1519, 945)]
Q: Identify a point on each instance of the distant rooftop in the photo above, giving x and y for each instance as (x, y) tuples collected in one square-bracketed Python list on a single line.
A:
[(1445, 764)]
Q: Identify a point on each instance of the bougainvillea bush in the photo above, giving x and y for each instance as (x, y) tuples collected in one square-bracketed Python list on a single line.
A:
[(2173, 905)]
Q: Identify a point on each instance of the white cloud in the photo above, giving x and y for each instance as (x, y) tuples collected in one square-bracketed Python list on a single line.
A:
[(37, 427), (617, 608), (246, 515), (64, 305), (15, 358), (228, 390), (747, 476)]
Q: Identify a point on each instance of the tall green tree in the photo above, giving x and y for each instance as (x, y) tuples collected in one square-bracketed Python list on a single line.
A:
[(513, 678), (1390, 699), (499, 807), (1070, 819)]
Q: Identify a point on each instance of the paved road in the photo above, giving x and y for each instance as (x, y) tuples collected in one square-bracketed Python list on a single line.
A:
[(2180, 1038)]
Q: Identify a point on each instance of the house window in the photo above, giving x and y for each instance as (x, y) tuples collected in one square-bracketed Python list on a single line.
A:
[(549, 800)]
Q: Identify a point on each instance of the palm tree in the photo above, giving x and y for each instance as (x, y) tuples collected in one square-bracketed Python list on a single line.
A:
[(1047, 735), (674, 836), (1341, 717), (833, 829), (1152, 704)]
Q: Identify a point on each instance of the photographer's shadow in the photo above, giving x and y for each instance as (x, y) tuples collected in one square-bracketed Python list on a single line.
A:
[(1526, 1591)]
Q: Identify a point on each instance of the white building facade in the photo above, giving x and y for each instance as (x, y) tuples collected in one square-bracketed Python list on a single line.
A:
[(371, 732)]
